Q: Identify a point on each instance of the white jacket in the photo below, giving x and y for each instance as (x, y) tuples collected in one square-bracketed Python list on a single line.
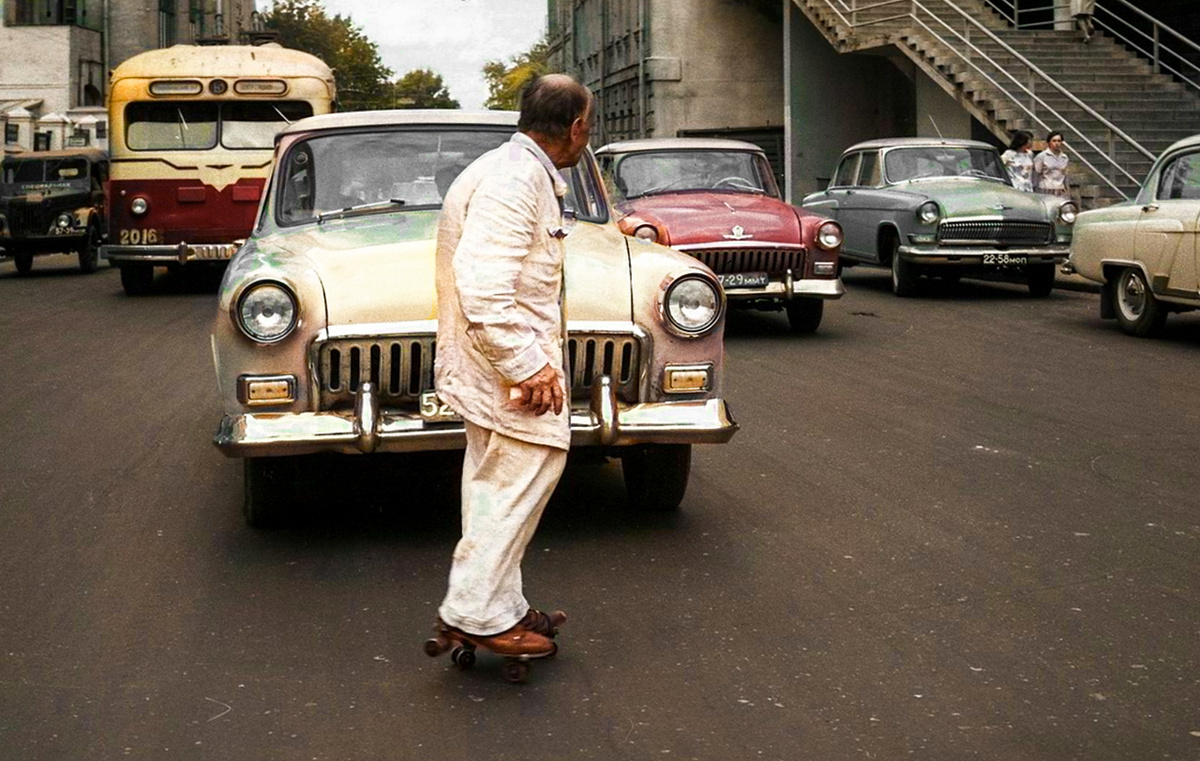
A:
[(499, 285)]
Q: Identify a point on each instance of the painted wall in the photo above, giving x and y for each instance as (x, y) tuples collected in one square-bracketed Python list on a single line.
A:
[(835, 100), (42, 70), (937, 112)]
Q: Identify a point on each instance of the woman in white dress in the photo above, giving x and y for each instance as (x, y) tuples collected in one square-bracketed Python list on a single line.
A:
[(1018, 161), (1082, 11), (1050, 168)]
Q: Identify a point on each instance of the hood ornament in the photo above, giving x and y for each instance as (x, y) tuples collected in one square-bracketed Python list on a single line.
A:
[(739, 233)]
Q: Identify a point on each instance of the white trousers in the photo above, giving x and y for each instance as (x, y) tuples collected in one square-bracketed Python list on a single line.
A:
[(505, 486)]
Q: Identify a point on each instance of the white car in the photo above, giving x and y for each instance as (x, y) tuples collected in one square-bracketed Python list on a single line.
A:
[(1145, 251)]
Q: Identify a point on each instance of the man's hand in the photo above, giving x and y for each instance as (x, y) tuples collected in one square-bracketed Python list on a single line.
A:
[(540, 392)]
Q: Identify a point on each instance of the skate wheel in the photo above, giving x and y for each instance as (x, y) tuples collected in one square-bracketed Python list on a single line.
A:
[(436, 646), (515, 672), (463, 657)]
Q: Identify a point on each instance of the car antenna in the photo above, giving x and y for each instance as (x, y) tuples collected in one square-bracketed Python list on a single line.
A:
[(940, 135)]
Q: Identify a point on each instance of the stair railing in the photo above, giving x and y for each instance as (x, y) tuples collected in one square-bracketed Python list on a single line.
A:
[(1036, 76), (1155, 44)]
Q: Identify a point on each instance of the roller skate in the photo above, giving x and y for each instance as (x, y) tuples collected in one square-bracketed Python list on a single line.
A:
[(531, 638)]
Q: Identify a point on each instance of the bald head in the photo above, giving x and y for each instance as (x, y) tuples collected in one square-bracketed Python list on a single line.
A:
[(551, 103)]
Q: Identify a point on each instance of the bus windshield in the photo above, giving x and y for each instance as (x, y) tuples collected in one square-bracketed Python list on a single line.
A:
[(200, 125)]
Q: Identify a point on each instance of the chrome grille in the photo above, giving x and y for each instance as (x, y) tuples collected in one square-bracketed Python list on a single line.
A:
[(999, 232), (726, 260), (402, 366)]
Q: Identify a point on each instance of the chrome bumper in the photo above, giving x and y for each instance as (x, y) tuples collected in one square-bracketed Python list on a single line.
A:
[(180, 253), (786, 289), (605, 422), (973, 255)]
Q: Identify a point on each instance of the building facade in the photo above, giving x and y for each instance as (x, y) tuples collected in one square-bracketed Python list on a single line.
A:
[(57, 55)]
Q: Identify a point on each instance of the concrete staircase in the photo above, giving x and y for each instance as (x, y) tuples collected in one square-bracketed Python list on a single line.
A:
[(1152, 109)]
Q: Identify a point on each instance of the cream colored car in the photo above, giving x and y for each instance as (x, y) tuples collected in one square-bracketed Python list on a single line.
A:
[(324, 338), (1145, 251)]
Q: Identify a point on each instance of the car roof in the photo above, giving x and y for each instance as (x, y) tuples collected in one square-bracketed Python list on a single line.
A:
[(913, 142), (1187, 142), (402, 117), (676, 144), (91, 154)]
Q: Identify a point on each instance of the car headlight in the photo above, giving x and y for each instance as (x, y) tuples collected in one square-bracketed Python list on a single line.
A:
[(1067, 212), (829, 236), (692, 305), (647, 233), (929, 212), (63, 221), (267, 312), (139, 206)]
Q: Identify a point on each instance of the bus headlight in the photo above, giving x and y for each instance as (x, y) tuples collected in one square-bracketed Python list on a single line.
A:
[(139, 206), (692, 305), (267, 312)]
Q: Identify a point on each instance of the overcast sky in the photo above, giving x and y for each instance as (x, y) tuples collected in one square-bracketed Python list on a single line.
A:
[(452, 37)]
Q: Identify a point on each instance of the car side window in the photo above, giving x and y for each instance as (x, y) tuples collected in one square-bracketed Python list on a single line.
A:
[(868, 172), (846, 171), (1180, 179)]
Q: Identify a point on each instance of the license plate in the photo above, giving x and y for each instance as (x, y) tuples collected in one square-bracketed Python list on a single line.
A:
[(434, 410), (743, 279), (1004, 259)]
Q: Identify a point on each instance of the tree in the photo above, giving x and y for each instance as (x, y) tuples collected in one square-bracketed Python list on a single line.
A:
[(505, 82), (362, 79), (422, 88)]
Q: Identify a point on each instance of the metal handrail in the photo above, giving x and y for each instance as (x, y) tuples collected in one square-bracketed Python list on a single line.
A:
[(1158, 49), (1034, 70)]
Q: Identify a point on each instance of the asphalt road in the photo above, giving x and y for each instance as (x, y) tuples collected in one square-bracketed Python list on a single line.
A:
[(958, 527)]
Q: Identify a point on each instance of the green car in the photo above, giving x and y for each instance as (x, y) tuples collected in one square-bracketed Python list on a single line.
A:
[(943, 208)]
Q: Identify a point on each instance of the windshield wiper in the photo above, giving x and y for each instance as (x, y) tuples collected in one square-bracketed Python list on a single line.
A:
[(362, 208)]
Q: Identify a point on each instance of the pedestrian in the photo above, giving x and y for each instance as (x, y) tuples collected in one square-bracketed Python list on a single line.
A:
[(1018, 160), (1050, 168), (499, 365), (1082, 11)]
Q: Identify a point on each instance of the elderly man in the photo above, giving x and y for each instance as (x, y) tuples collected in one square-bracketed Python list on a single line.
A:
[(500, 361)]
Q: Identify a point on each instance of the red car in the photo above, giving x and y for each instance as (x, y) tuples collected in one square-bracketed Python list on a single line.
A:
[(717, 201)]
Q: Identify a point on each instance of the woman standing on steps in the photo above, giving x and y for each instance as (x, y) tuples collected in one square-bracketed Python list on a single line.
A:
[(1050, 168), (1018, 160), (1082, 10)]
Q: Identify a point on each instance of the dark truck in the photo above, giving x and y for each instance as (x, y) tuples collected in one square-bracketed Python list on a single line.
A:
[(52, 202)]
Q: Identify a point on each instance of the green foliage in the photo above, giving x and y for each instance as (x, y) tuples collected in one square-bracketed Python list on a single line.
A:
[(362, 79), (422, 88), (505, 82)]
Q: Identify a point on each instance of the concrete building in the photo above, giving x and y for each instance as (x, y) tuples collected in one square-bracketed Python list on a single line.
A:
[(664, 68), (57, 55)]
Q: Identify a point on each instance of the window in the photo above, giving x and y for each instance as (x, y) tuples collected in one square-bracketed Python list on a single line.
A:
[(48, 13), (1181, 179), (253, 124), (672, 171), (41, 141), (102, 130), (166, 23), (195, 125), (924, 162), (846, 171), (868, 173), (12, 133)]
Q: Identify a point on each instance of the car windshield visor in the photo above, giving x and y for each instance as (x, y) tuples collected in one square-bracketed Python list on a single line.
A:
[(642, 174), (921, 163)]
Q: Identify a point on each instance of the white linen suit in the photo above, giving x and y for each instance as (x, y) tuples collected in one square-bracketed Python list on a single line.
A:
[(500, 321)]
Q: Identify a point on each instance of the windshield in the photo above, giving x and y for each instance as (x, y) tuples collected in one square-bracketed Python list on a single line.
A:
[(398, 168), (943, 161), (199, 126), (640, 174), (32, 171)]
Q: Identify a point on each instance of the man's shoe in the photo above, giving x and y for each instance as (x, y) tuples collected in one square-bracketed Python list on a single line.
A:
[(517, 641), (545, 624)]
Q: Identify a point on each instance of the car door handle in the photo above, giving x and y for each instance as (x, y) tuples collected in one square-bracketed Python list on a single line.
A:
[(1150, 207)]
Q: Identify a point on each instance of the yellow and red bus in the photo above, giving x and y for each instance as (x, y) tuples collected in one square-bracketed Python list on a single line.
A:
[(192, 130)]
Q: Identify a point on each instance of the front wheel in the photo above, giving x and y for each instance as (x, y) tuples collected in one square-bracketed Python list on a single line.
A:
[(804, 315), (137, 279), (904, 274), (24, 263), (1040, 278), (1138, 312), (89, 255), (656, 475)]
